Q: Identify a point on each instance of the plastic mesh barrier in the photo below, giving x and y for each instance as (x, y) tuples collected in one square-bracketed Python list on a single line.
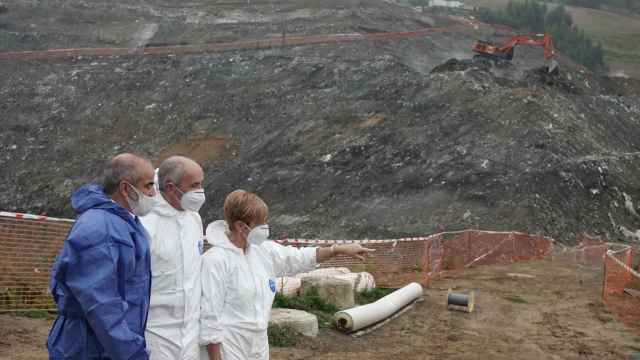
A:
[(621, 285), (399, 261), (590, 250), (28, 247)]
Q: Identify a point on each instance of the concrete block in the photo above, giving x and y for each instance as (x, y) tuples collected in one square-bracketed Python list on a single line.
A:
[(362, 281), (303, 322), (338, 292)]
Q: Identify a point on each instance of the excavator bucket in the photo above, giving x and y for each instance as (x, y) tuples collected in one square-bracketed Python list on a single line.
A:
[(553, 67)]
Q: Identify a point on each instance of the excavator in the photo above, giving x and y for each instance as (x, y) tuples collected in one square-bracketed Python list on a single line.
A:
[(486, 49)]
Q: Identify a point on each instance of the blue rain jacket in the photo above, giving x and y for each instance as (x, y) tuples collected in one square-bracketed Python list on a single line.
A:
[(101, 283)]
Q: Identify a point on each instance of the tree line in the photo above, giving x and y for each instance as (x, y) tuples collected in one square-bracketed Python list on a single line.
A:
[(533, 16)]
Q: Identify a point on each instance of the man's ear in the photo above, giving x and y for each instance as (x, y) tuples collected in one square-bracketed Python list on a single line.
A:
[(168, 185), (122, 189)]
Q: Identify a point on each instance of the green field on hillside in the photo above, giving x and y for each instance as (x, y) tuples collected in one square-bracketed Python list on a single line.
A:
[(617, 33)]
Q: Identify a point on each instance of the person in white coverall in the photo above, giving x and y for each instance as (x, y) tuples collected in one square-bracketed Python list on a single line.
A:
[(239, 274), (175, 229)]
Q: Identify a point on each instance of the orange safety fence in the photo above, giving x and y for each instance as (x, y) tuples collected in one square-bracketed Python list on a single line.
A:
[(398, 261), (621, 284), (28, 247), (590, 250)]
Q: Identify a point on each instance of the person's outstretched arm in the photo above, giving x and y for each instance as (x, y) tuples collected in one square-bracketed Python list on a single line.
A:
[(288, 260), (352, 250)]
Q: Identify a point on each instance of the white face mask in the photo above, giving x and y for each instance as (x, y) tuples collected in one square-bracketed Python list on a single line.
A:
[(258, 235), (143, 205), (192, 200)]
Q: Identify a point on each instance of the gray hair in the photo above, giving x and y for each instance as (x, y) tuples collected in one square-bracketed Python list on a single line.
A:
[(172, 170), (124, 167)]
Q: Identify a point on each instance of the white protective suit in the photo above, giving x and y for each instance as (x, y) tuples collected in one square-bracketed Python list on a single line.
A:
[(238, 291), (176, 247)]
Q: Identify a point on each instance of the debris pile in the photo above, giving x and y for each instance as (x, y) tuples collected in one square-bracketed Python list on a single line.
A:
[(355, 140)]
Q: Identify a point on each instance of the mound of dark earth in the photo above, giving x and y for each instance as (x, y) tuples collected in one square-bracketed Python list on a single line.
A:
[(342, 140)]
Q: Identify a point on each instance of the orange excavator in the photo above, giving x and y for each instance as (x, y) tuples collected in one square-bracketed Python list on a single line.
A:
[(486, 49)]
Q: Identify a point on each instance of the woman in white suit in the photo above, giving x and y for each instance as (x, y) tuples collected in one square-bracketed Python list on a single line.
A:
[(238, 278)]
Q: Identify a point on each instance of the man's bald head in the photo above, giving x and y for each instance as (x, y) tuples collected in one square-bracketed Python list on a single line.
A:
[(176, 176), (124, 167), (174, 169)]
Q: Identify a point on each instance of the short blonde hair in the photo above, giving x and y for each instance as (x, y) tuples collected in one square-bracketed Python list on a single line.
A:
[(245, 206)]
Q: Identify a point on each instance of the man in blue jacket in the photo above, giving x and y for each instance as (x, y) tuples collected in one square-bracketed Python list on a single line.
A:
[(102, 276)]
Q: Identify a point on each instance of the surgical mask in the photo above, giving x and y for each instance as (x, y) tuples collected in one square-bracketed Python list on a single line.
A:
[(258, 235), (143, 205), (192, 200)]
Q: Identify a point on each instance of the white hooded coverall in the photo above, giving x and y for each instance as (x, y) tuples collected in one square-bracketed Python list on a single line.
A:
[(238, 291), (176, 247)]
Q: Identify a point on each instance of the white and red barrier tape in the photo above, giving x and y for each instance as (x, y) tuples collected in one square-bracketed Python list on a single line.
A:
[(407, 239), (610, 255), (300, 241), (32, 217)]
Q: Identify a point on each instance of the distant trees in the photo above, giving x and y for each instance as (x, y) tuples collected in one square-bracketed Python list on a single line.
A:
[(532, 15)]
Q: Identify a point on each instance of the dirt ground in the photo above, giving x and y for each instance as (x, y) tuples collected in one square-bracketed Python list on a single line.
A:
[(531, 310), (557, 314)]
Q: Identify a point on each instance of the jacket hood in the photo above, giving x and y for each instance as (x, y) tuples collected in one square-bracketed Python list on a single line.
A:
[(162, 207), (92, 196), (216, 235)]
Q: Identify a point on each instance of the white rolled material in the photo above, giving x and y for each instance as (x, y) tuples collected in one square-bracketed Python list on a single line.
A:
[(362, 316)]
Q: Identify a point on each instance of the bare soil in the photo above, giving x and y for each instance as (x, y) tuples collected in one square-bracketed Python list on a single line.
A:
[(23, 338), (555, 314)]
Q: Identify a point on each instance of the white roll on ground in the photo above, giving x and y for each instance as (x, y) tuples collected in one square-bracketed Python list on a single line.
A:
[(362, 316)]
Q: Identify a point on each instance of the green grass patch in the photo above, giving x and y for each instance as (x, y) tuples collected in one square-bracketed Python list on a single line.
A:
[(369, 296), (283, 336), (33, 314), (310, 302), (516, 299), (617, 33)]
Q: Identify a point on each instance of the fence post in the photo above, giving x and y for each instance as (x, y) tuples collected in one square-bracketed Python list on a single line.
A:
[(469, 257), (604, 278), (628, 261)]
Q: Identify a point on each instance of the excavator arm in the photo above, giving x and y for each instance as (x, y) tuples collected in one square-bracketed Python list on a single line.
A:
[(544, 40)]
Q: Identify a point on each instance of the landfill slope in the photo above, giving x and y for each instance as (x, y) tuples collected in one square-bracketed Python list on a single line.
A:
[(371, 139)]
